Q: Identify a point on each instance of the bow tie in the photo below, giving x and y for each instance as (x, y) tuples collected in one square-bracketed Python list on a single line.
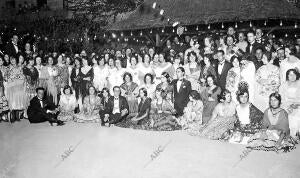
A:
[(116, 98), (222, 63)]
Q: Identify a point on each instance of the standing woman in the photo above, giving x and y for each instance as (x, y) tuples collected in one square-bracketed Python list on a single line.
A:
[(69, 64), (62, 74), (129, 90), (100, 74), (210, 98), (31, 81), (104, 103), (193, 70), (134, 70), (41, 70), (51, 73), (75, 78), (21, 61), (233, 77), (87, 77), (15, 89)]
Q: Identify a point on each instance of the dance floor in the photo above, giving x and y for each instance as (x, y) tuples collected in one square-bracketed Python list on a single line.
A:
[(91, 151)]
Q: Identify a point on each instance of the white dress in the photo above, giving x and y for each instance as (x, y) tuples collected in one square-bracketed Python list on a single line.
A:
[(248, 75), (285, 66), (100, 77), (135, 74), (115, 78)]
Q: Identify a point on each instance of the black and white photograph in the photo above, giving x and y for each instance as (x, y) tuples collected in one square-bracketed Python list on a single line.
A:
[(149, 88)]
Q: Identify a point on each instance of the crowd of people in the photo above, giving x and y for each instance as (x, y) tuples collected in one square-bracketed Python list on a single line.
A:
[(241, 87)]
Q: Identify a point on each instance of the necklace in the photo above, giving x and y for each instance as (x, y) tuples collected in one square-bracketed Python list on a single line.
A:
[(274, 114)]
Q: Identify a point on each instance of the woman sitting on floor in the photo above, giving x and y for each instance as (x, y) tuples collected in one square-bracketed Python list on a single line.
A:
[(275, 135), (67, 104)]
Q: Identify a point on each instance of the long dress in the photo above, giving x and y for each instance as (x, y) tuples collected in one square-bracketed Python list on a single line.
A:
[(290, 94), (161, 116), (115, 78), (192, 74), (248, 75), (232, 82), (100, 77), (267, 82), (222, 121), (50, 73), (62, 78), (274, 125), (90, 111), (31, 83), (43, 74), (285, 65), (249, 122), (75, 80), (192, 117), (67, 105), (15, 89), (130, 92), (85, 84), (209, 106)]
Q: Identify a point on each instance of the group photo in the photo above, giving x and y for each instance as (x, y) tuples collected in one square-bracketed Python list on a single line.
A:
[(150, 89)]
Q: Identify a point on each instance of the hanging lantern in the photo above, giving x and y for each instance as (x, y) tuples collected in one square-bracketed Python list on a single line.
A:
[(280, 23), (250, 24), (209, 27), (154, 5), (197, 28), (95, 37), (118, 39), (185, 29), (122, 34), (221, 26), (265, 23), (296, 25), (168, 20), (141, 34), (286, 35), (236, 25), (137, 40), (131, 34), (114, 35), (295, 36), (104, 35), (175, 24), (173, 30), (274, 36)]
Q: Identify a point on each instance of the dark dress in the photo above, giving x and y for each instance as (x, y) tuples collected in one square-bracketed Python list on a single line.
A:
[(85, 84), (75, 80)]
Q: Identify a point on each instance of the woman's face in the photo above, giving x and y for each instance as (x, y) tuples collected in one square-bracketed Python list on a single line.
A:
[(77, 63), (101, 62), (140, 59), (274, 103), (236, 63), (6, 57), (206, 61), (210, 81), (146, 59), (105, 94), (67, 91), (163, 79), (292, 76), (127, 79), (111, 62), (177, 61), (27, 47), (60, 59), (118, 64), (287, 52), (156, 58), (21, 59), (38, 60), (133, 61), (50, 61), (13, 61), (244, 98), (92, 91), (229, 41), (151, 51), (31, 62), (68, 60), (106, 57), (148, 79), (228, 97)]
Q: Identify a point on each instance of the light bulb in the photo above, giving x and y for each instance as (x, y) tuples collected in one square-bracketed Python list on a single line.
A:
[(280, 23), (154, 5), (236, 25), (131, 34), (222, 25), (208, 27), (197, 28), (265, 23), (151, 31), (296, 25), (250, 24)]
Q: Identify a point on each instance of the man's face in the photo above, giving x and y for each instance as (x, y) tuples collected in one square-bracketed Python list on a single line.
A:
[(280, 54), (258, 54), (179, 73), (241, 37), (230, 31), (250, 37), (15, 39), (220, 57), (40, 94), (258, 33), (117, 92)]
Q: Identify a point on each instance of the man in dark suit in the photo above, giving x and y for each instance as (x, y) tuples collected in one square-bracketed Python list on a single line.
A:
[(252, 44), (40, 110), (117, 107), (182, 89), (222, 69), (12, 48)]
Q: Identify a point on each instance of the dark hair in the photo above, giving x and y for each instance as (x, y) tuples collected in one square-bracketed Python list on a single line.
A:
[(182, 69), (39, 88), (136, 60), (67, 87), (192, 53), (221, 51), (145, 56), (79, 60), (213, 78), (115, 87), (251, 32), (234, 57), (275, 95), (292, 48), (150, 75), (228, 36), (243, 88), (91, 86), (127, 74), (296, 72), (166, 74), (223, 95), (144, 91), (195, 95), (107, 91)]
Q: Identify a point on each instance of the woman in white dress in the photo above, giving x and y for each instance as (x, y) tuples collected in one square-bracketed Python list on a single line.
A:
[(101, 73), (67, 104), (192, 71), (162, 67), (233, 78), (149, 85), (145, 68), (290, 62), (50, 73), (248, 76), (290, 92), (267, 82), (115, 77), (134, 70), (70, 67)]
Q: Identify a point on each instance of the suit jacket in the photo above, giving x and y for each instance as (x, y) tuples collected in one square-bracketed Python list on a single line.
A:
[(181, 98), (36, 110), (123, 104), (221, 78), (254, 47), (11, 51)]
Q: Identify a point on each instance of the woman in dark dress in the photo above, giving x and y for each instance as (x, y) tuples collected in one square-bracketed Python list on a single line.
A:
[(105, 95), (75, 77), (87, 76)]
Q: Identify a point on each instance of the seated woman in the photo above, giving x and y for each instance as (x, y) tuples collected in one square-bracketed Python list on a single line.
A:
[(104, 101), (91, 108), (222, 119), (289, 91), (67, 104), (129, 90), (210, 98), (4, 109), (162, 111), (141, 119), (192, 117), (249, 118), (275, 133)]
